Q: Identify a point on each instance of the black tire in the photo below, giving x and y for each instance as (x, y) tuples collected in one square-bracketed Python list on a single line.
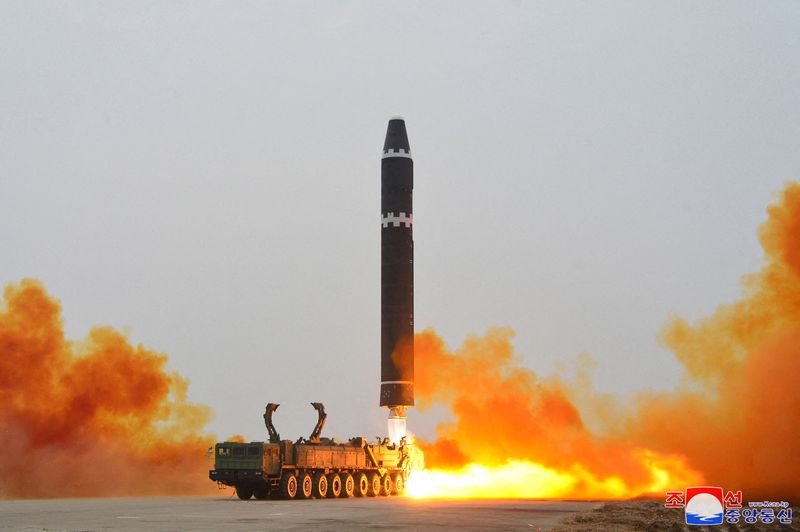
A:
[(348, 485), (387, 486), (244, 491), (288, 486), (305, 486), (334, 486), (261, 491), (399, 484), (320, 486), (361, 485), (374, 485)]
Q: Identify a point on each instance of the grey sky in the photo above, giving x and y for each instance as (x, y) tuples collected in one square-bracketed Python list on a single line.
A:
[(206, 176)]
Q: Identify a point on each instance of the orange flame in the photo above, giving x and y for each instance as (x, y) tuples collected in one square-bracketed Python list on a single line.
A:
[(94, 418), (733, 421), (517, 479)]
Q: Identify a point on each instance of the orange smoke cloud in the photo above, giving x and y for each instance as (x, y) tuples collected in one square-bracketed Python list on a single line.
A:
[(741, 375), (93, 418), (734, 420)]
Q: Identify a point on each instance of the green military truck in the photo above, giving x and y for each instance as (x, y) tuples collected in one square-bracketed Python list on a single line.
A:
[(315, 467)]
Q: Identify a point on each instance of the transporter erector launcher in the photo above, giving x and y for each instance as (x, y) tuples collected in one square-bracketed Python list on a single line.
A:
[(397, 277)]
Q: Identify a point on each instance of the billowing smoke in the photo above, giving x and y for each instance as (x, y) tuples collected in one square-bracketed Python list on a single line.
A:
[(102, 417), (734, 420), (99, 417), (741, 375)]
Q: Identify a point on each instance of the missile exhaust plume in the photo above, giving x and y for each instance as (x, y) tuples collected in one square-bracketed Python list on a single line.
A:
[(733, 420), (102, 417)]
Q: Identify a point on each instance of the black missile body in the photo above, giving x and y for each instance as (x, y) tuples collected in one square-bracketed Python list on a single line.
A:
[(397, 269)]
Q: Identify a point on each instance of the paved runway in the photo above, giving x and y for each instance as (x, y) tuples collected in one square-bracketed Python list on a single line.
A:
[(233, 514)]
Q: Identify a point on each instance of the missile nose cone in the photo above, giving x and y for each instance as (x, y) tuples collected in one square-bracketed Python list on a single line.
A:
[(396, 136)]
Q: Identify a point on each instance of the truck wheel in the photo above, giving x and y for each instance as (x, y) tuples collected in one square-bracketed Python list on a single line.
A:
[(362, 485), (261, 491), (244, 491), (288, 486), (334, 486), (348, 485), (306, 486), (387, 486), (374, 485), (399, 484), (320, 488)]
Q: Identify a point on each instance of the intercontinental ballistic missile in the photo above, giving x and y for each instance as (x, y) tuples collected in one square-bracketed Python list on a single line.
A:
[(397, 278)]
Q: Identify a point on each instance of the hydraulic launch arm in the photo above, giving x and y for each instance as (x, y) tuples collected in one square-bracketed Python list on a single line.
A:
[(274, 437), (320, 408)]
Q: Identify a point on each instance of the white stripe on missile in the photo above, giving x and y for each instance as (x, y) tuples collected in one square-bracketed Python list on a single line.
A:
[(397, 382), (399, 152), (402, 218)]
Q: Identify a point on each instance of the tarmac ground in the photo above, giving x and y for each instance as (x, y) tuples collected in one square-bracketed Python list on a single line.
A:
[(396, 513)]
